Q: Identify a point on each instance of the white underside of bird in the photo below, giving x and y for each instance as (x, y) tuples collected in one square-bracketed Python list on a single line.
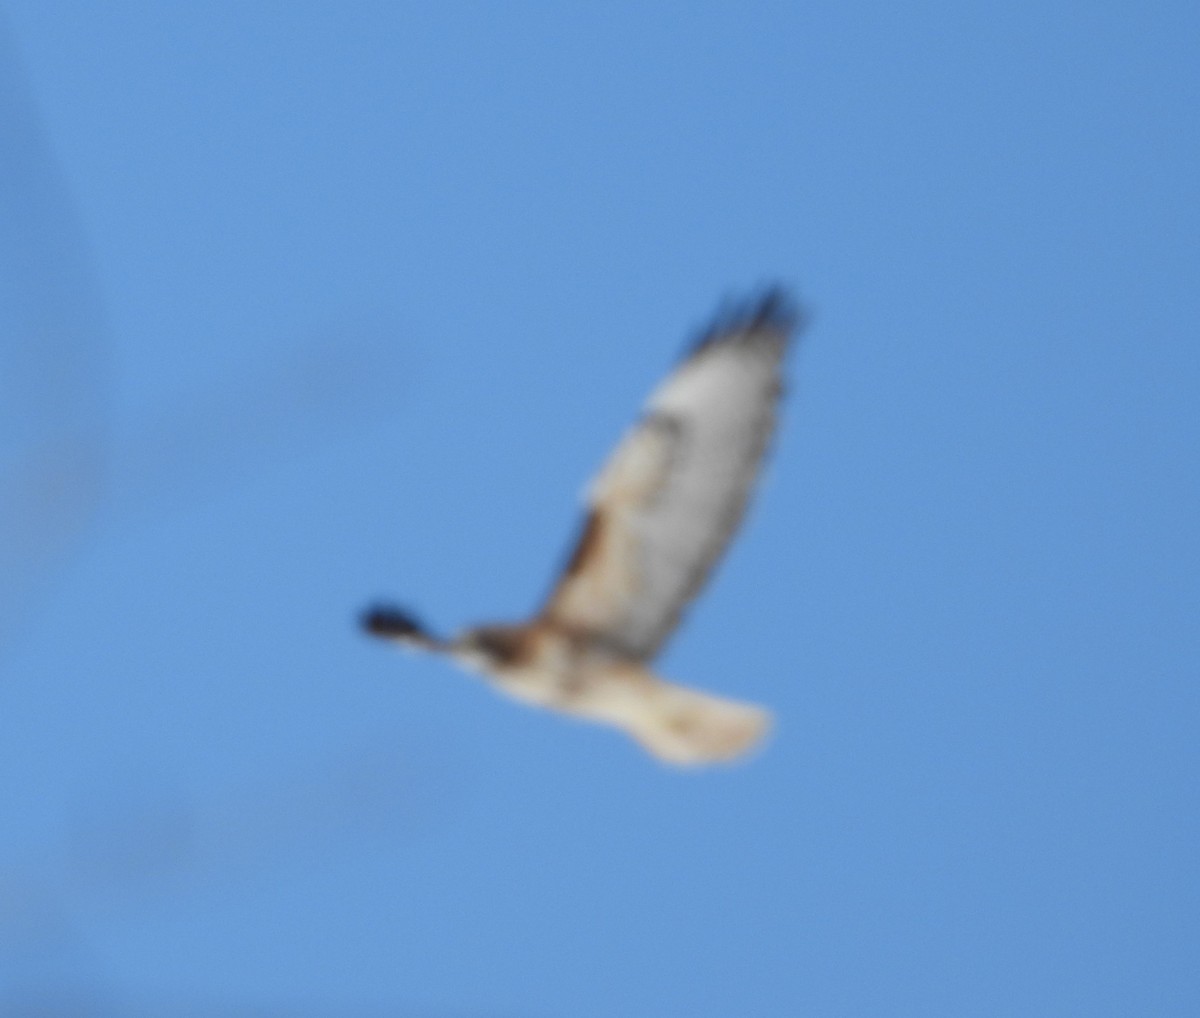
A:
[(677, 724)]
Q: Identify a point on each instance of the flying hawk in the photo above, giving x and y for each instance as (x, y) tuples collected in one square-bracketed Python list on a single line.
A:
[(659, 515)]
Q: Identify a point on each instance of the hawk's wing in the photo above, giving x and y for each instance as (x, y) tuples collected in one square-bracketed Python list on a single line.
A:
[(667, 502)]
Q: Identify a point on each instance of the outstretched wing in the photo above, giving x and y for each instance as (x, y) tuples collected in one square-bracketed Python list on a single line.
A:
[(667, 502)]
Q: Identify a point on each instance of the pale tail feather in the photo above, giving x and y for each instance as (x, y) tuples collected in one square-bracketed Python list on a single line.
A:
[(687, 727)]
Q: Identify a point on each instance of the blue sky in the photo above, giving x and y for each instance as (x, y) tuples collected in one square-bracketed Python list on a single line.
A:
[(311, 304)]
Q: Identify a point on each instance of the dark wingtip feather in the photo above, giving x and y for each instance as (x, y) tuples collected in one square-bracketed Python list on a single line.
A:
[(772, 309)]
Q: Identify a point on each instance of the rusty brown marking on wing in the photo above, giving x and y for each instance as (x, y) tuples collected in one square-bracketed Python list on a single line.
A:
[(591, 594), (595, 592), (578, 599), (587, 544)]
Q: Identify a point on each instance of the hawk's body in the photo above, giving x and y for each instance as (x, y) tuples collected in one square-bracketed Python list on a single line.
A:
[(659, 516)]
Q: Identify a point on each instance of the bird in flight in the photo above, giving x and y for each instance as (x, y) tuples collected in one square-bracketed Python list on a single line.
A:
[(659, 515)]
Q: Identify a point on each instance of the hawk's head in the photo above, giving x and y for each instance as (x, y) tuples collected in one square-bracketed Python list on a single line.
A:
[(391, 623)]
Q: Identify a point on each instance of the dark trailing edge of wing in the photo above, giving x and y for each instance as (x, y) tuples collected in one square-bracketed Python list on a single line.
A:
[(771, 310)]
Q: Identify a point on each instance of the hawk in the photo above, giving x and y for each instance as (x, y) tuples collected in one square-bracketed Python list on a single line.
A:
[(659, 515)]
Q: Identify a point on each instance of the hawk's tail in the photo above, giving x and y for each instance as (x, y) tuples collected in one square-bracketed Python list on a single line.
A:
[(685, 726)]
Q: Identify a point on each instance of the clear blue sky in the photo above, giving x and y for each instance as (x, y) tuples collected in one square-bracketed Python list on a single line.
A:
[(310, 304)]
